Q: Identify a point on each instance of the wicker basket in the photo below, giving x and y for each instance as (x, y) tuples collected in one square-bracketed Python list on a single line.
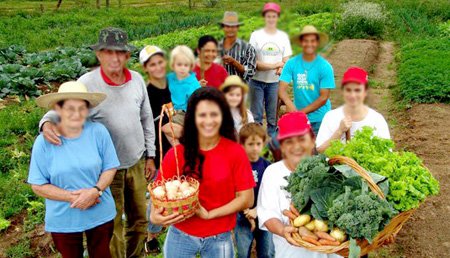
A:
[(186, 205), (387, 233)]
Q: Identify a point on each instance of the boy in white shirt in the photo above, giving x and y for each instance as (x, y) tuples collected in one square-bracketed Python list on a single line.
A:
[(342, 122)]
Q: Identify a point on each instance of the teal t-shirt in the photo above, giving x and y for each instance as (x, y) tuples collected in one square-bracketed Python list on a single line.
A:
[(308, 79), (181, 90), (76, 164)]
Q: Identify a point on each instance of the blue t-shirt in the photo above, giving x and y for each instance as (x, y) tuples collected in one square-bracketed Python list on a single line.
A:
[(76, 164), (181, 90), (308, 79), (258, 169)]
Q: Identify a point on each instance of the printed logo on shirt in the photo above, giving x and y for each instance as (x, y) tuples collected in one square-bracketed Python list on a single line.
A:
[(255, 175), (270, 49), (302, 82)]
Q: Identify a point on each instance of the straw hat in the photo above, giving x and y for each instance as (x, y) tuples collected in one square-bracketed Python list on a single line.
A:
[(230, 19), (309, 29), (234, 80), (70, 90)]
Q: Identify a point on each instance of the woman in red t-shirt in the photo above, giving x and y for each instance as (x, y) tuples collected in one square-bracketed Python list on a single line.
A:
[(213, 74), (208, 152)]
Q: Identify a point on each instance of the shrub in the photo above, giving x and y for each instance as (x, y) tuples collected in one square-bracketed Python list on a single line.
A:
[(423, 75), (35, 214), (362, 20), (4, 224)]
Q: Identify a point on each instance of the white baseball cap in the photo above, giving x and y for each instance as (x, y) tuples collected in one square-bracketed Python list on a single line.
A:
[(147, 52)]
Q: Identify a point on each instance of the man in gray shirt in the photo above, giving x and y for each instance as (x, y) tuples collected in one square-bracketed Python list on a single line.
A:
[(127, 115)]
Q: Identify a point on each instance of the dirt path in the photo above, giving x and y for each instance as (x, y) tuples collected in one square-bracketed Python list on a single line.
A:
[(423, 129)]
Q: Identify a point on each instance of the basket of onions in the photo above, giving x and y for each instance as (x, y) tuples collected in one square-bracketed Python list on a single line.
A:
[(176, 194)]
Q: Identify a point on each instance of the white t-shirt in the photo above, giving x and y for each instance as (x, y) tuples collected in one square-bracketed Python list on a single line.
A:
[(270, 48), (238, 118), (272, 200), (333, 118)]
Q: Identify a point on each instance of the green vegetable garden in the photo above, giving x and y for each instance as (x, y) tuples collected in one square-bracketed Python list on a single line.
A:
[(41, 47)]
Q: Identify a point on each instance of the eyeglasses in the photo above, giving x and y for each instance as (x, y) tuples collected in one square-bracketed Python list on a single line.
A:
[(72, 110)]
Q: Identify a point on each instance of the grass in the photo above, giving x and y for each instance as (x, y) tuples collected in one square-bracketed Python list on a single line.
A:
[(18, 128), (20, 250)]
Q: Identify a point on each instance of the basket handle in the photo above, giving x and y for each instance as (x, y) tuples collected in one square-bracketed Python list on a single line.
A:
[(358, 169), (166, 109)]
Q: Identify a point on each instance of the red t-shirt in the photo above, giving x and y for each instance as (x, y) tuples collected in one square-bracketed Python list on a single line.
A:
[(226, 170), (111, 83), (215, 75)]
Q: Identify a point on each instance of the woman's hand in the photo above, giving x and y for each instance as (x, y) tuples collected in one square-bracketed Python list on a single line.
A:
[(157, 218), (86, 198), (287, 233), (203, 213), (250, 213)]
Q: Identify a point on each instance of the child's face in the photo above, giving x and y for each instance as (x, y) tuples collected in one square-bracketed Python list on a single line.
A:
[(182, 67), (253, 146), (234, 97)]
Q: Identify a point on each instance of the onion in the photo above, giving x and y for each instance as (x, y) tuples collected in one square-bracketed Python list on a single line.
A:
[(176, 183), (184, 186), (159, 192)]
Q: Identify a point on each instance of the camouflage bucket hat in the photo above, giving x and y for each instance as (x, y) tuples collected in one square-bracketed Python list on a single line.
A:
[(113, 39)]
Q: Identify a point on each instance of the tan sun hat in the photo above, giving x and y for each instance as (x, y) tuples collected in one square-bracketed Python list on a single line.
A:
[(230, 19), (234, 80), (310, 29), (70, 90)]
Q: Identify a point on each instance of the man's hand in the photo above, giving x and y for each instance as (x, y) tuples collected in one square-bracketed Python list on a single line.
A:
[(278, 71), (226, 59), (290, 108), (51, 133), (203, 82), (86, 198), (150, 168), (345, 124)]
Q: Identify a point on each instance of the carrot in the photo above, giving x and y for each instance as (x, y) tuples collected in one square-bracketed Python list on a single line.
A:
[(328, 242), (325, 236), (289, 214), (294, 210), (311, 240), (304, 232)]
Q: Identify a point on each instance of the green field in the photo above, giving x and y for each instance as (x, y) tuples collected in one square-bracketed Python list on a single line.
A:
[(43, 47)]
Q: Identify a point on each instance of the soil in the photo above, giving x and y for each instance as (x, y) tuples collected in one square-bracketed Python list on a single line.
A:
[(422, 128)]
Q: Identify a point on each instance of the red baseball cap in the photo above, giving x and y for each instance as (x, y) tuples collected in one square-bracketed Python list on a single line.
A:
[(271, 7), (293, 124), (355, 74)]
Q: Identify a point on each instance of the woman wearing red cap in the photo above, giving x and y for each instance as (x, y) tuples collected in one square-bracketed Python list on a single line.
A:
[(297, 142), (344, 121), (273, 49)]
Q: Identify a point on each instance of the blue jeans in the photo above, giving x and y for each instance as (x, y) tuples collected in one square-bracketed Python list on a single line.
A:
[(264, 95), (181, 245), (315, 127), (244, 238)]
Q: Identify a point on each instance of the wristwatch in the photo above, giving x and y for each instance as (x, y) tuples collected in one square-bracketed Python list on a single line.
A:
[(100, 192)]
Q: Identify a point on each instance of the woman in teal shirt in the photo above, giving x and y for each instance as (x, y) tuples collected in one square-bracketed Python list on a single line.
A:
[(74, 177)]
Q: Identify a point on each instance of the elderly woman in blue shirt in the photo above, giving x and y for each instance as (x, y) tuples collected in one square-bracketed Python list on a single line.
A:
[(74, 177)]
